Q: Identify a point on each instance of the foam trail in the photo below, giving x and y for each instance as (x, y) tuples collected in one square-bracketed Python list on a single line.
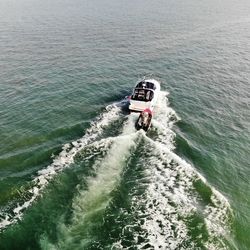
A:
[(173, 198), (213, 216), (172, 188), (63, 160), (164, 119), (171, 201), (90, 203)]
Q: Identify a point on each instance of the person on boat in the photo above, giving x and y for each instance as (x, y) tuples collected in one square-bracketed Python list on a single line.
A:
[(141, 94), (148, 95), (145, 119)]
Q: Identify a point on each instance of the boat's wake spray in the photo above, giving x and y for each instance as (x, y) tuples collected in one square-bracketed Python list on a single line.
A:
[(65, 159)]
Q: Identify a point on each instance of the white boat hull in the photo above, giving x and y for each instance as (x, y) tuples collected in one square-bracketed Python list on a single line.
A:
[(137, 104)]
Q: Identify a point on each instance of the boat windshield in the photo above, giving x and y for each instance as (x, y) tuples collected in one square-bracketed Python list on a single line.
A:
[(141, 94), (147, 85)]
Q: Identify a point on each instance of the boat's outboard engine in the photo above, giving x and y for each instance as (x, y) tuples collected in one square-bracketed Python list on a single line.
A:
[(144, 120)]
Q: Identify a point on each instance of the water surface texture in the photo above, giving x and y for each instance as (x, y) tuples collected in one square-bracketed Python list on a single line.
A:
[(74, 172)]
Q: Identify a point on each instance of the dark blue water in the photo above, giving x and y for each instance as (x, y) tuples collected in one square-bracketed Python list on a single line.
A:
[(74, 173)]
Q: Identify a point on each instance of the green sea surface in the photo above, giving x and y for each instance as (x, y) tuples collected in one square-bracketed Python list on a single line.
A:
[(74, 172)]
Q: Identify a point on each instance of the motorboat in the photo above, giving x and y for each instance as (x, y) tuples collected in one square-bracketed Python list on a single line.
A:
[(145, 95), (144, 120)]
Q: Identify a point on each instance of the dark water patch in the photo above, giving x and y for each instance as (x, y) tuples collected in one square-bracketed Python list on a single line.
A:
[(44, 216), (197, 230), (69, 132), (204, 191), (36, 152), (241, 236), (28, 142), (190, 152), (11, 189), (25, 160), (115, 96)]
